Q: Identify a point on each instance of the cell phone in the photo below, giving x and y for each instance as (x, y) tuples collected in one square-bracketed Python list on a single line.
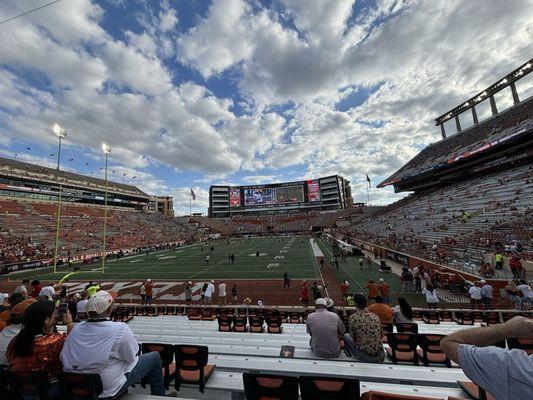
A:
[(61, 310), (287, 352)]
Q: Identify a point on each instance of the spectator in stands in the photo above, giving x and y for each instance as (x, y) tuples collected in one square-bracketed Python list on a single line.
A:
[(48, 291), (364, 340), (475, 296), (526, 300), (486, 294), (403, 313), (498, 256), (14, 324), (93, 288), (222, 293), (37, 345), (513, 293), (4, 305), (373, 290), (384, 289), (23, 288), (383, 311), (324, 328), (116, 360), (208, 295), (82, 303), (505, 374), (304, 294), (350, 301), (36, 288), (149, 287), (418, 282), (431, 296)]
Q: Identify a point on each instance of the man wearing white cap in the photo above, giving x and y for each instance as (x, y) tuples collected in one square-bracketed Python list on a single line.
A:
[(101, 346), (325, 327)]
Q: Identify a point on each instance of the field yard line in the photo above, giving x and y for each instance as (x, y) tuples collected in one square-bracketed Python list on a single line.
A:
[(342, 266), (218, 263), (318, 268)]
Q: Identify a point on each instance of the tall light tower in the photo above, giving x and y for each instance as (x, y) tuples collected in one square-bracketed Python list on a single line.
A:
[(61, 134), (106, 149)]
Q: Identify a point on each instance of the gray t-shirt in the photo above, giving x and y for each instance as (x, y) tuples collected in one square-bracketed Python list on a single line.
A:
[(506, 374), (325, 328)]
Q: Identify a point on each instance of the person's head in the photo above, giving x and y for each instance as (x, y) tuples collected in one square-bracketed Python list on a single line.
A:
[(482, 282), (35, 283), (320, 303), (405, 308), (381, 280), (84, 295), (379, 299), (37, 319), (16, 313), (329, 303), (101, 304), (14, 299), (360, 301), (3, 297), (430, 287), (370, 281), (25, 282)]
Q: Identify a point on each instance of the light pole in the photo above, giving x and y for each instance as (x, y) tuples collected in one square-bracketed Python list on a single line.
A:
[(106, 149), (60, 133)]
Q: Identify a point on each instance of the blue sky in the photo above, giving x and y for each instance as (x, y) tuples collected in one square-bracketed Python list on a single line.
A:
[(194, 93)]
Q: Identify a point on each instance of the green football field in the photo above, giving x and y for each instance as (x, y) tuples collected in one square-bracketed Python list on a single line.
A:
[(276, 256)]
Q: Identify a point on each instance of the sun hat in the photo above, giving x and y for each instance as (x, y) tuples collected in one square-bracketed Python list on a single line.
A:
[(329, 302)]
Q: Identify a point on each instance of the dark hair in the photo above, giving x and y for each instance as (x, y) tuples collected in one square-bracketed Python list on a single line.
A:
[(14, 299), (25, 281), (32, 325), (360, 301), (405, 308), (35, 283), (379, 299), (430, 288)]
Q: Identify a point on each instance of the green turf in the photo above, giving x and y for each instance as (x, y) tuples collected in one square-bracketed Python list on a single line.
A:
[(189, 263)]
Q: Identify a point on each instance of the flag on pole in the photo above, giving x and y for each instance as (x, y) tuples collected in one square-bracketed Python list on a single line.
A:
[(193, 195), (368, 180)]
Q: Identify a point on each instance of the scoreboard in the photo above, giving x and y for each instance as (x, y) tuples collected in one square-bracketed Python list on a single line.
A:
[(274, 195)]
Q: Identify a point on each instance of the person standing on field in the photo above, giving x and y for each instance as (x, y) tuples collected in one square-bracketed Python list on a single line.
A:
[(222, 293), (149, 286), (143, 293)]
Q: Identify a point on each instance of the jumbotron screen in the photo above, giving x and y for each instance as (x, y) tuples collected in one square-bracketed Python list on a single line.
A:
[(275, 195)]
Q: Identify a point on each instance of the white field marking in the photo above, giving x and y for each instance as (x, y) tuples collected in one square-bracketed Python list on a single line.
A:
[(255, 255), (279, 257), (165, 257), (283, 251), (135, 261), (272, 265)]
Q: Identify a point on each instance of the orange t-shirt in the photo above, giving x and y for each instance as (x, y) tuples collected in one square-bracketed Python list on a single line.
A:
[(149, 289), (45, 355), (384, 288), (383, 311), (373, 289)]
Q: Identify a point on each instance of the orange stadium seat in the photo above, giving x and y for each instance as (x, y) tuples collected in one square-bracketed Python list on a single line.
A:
[(270, 387), (191, 362)]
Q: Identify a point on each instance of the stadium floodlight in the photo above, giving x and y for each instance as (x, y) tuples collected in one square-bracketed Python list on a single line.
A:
[(107, 150), (61, 133)]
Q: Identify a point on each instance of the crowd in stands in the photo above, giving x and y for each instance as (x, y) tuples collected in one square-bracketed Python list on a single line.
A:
[(464, 224), (27, 231), (20, 248)]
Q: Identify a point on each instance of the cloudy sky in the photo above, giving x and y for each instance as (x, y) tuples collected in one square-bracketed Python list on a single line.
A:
[(194, 93)]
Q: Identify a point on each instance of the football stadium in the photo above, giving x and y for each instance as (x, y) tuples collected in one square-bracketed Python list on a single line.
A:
[(137, 275)]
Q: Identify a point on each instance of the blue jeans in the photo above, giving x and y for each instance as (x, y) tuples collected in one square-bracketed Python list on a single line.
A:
[(149, 366), (350, 347)]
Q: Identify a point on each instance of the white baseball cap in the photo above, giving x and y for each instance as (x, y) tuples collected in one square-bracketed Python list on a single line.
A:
[(101, 301), (483, 281), (381, 280), (321, 302), (3, 296)]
